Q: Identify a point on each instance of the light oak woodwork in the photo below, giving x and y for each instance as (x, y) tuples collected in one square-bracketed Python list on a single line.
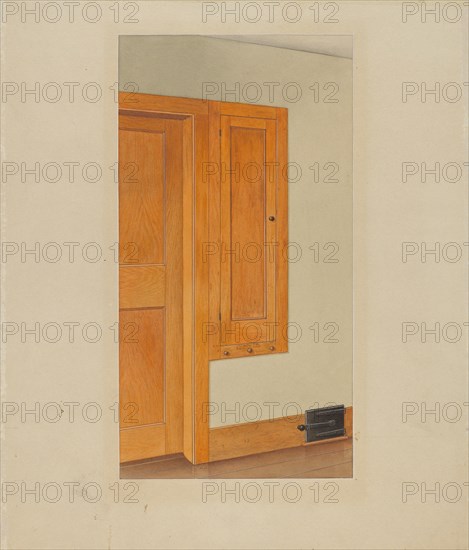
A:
[(159, 104), (142, 366), (142, 442), (193, 116), (348, 421), (254, 437), (174, 290), (213, 246), (248, 238), (200, 378), (249, 110), (150, 217), (260, 437), (247, 350), (324, 441), (160, 222), (143, 286), (188, 288), (245, 279), (248, 300), (281, 286), (142, 191)]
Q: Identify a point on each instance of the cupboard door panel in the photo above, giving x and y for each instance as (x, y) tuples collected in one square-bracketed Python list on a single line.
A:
[(248, 255), (248, 207)]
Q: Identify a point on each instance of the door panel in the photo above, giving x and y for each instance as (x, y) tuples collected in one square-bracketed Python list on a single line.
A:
[(142, 366), (248, 253), (142, 196), (150, 286), (248, 207)]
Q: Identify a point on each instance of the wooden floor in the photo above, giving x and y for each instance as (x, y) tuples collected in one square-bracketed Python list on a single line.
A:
[(328, 460)]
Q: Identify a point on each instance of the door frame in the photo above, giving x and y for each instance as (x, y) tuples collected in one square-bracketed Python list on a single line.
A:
[(194, 114)]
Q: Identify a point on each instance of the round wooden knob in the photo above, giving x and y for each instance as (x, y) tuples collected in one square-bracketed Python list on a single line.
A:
[(249, 350), (226, 353), (272, 218)]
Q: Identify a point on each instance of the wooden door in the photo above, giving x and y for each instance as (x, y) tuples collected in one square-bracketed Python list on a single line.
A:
[(150, 286), (249, 248)]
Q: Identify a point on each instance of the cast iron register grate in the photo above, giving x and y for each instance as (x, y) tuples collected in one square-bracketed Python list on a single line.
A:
[(324, 423)]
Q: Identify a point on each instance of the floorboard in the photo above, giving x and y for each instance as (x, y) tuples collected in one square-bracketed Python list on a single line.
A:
[(329, 460)]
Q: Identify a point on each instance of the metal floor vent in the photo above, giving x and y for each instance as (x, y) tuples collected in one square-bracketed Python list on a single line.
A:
[(324, 423)]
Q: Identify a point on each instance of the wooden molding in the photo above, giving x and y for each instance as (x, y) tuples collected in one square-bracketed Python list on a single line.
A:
[(133, 101), (282, 229), (348, 421), (248, 110), (323, 441), (262, 436), (212, 251)]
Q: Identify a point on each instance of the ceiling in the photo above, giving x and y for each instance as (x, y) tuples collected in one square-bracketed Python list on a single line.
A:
[(336, 45)]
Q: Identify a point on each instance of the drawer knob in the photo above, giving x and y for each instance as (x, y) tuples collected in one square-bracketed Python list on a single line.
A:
[(226, 353), (272, 348), (249, 350), (272, 218)]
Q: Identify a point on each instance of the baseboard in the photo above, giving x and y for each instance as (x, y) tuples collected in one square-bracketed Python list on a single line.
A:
[(262, 436), (322, 441), (348, 421)]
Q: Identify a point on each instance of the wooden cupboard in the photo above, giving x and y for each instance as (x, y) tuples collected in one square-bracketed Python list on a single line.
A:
[(203, 259), (248, 230)]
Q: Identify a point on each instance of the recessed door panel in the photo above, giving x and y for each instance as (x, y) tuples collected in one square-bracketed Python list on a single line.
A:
[(248, 221), (142, 193), (142, 367)]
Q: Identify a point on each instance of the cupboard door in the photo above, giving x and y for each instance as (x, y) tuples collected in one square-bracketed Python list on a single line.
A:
[(150, 286), (250, 252)]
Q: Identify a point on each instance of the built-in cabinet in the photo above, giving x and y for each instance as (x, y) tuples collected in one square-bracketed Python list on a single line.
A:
[(248, 224), (203, 259)]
